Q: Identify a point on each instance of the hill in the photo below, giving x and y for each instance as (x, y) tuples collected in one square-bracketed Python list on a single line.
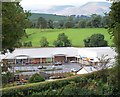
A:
[(75, 35), (87, 9), (34, 17)]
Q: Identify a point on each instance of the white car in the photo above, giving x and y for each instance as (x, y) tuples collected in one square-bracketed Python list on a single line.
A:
[(73, 70), (73, 61)]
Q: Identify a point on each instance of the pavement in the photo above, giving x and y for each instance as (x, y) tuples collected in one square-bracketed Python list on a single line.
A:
[(67, 67)]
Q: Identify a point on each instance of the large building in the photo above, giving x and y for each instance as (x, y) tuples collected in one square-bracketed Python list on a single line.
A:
[(57, 54)]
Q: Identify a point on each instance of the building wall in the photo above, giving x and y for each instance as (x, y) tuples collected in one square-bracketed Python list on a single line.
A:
[(59, 59), (43, 60), (71, 59)]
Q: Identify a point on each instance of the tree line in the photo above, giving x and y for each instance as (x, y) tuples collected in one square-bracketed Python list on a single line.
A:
[(93, 21)]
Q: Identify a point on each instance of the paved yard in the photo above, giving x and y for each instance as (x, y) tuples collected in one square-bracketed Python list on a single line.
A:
[(68, 67)]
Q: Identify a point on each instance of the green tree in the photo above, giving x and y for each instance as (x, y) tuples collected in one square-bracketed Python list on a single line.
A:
[(6, 78), (114, 30), (41, 23), (14, 22), (96, 20), (82, 24), (69, 24), (96, 40), (27, 44), (36, 78), (62, 41), (106, 21), (50, 24), (44, 42)]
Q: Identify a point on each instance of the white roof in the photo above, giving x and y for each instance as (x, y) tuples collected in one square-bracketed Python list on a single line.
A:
[(86, 69), (92, 52), (43, 52), (101, 50)]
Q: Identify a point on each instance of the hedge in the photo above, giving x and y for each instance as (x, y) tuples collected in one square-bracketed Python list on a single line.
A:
[(48, 87)]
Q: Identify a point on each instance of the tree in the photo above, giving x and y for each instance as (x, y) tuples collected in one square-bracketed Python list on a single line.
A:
[(27, 44), (96, 40), (62, 41), (44, 42), (106, 21), (50, 24), (6, 78), (41, 23), (82, 24), (69, 24), (114, 30), (36, 78), (103, 61), (14, 22), (96, 20)]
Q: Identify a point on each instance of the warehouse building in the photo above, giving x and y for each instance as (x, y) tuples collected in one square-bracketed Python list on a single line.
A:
[(59, 54)]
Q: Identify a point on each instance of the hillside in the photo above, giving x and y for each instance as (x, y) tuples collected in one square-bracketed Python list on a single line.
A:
[(87, 9), (34, 17), (75, 35)]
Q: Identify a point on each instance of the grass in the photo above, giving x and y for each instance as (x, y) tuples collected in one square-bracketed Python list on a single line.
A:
[(75, 35)]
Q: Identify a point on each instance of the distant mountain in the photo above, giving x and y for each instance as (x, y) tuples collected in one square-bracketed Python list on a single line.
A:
[(52, 9), (86, 9), (55, 9)]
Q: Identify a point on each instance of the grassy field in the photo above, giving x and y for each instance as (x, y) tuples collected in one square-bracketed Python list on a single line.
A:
[(75, 35)]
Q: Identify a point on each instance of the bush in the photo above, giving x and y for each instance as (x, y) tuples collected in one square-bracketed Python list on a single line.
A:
[(96, 40), (36, 78), (7, 78), (44, 42), (27, 44)]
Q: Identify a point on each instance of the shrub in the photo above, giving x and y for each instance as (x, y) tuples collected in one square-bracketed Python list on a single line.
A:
[(95, 40), (36, 78), (44, 42)]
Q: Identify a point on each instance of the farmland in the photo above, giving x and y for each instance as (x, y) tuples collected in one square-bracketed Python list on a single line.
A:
[(75, 35)]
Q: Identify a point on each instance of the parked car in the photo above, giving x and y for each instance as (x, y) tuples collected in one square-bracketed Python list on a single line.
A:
[(73, 70), (41, 67), (73, 61), (57, 63), (56, 77)]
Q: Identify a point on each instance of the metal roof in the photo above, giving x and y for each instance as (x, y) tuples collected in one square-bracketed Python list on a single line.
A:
[(91, 52)]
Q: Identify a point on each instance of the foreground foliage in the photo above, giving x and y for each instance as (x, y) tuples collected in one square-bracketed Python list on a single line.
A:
[(114, 30), (36, 78), (97, 83), (14, 23)]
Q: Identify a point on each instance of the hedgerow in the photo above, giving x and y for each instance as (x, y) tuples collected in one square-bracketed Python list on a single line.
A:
[(91, 84)]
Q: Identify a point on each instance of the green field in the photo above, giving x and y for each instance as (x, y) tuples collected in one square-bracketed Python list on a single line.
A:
[(75, 35)]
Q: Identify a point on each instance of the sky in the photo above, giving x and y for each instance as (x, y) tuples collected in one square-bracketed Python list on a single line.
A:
[(45, 4)]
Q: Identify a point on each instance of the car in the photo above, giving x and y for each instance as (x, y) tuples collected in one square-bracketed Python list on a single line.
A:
[(73, 70), (56, 77), (73, 61), (41, 67), (57, 63)]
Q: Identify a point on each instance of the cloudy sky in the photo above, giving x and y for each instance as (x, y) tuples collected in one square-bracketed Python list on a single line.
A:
[(45, 4)]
